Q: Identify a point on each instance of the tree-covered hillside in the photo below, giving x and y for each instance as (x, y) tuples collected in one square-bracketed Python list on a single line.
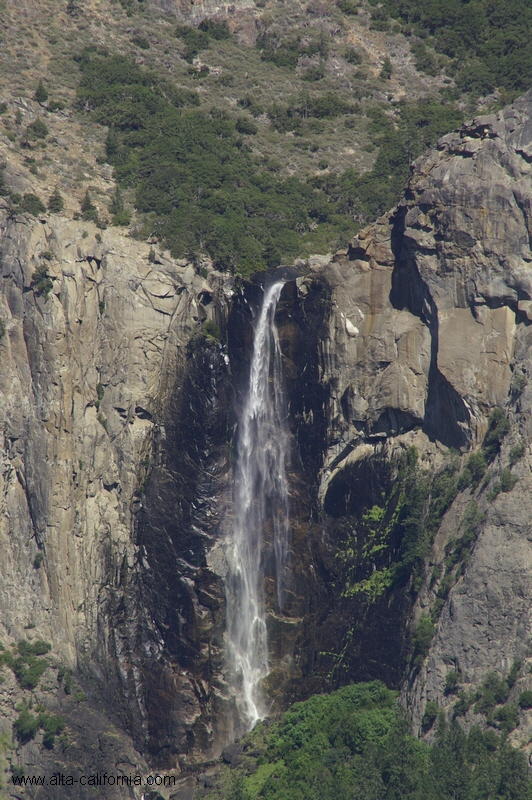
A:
[(197, 179), (489, 41), (271, 133), (355, 743)]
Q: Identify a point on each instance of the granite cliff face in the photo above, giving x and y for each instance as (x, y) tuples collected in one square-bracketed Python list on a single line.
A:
[(119, 415), (431, 332), (86, 369)]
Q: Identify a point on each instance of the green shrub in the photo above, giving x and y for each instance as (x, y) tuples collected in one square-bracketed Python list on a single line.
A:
[(25, 726), (56, 203), (470, 524), (518, 384), (17, 772), (494, 690), (498, 427), (430, 716), (3, 186), (52, 724), (463, 704), (89, 212), (516, 454), (452, 682), (507, 717), (379, 19), (120, 217), (474, 469), (421, 640), (195, 40), (2, 329), (211, 330), (512, 675), (525, 699), (251, 105), (141, 41), (37, 561), (31, 204), (386, 71), (37, 130), (507, 480), (315, 73), (41, 95), (353, 56), (216, 30), (282, 54), (349, 7), (246, 126), (55, 105), (424, 59), (41, 282), (37, 648), (29, 676)]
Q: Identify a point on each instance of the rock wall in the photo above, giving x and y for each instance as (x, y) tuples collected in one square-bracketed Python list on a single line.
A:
[(430, 331), (119, 417), (89, 361)]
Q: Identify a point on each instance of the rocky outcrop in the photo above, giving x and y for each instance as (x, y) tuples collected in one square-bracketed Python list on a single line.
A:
[(430, 330), (96, 330)]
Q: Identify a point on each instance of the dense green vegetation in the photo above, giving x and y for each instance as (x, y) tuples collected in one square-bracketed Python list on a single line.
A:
[(202, 190), (400, 141), (25, 662), (355, 743), (27, 724), (195, 176), (488, 40)]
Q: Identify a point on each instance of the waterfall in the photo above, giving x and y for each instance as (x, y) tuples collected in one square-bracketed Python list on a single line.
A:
[(260, 508)]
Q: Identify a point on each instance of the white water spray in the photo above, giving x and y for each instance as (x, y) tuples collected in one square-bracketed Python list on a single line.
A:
[(261, 504)]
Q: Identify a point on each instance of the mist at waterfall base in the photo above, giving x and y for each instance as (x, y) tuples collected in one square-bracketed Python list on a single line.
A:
[(260, 504)]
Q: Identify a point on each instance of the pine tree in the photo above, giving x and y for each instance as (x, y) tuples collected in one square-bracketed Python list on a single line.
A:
[(116, 208), (41, 95), (56, 203), (89, 211), (117, 204)]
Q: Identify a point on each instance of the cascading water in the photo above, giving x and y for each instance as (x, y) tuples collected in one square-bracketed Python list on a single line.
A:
[(261, 504)]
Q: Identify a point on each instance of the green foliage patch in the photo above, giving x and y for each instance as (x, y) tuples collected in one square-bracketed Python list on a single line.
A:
[(192, 173), (27, 724), (56, 203), (37, 130), (415, 127), (41, 282), (488, 40), (24, 661), (355, 743), (391, 541), (498, 427)]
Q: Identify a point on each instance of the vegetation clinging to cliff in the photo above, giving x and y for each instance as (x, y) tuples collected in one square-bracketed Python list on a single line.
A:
[(391, 541)]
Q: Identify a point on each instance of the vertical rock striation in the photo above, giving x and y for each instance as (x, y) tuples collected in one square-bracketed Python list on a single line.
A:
[(119, 413)]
